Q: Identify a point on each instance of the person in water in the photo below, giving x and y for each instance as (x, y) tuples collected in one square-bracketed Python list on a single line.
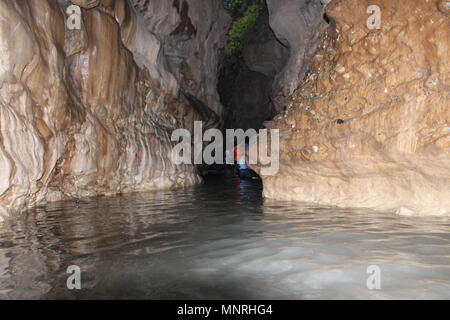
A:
[(241, 167)]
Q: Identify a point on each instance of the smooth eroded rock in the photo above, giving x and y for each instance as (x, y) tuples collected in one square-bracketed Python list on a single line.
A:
[(90, 111), (193, 38)]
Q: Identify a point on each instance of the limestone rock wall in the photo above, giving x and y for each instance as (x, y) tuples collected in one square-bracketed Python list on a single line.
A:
[(297, 25), (370, 126), (193, 38), (89, 111)]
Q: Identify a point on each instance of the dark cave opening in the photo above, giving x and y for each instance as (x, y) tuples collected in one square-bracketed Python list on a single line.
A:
[(245, 85)]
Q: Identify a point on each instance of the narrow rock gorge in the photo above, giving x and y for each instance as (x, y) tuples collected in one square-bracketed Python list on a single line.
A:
[(276, 53), (224, 150), (363, 112)]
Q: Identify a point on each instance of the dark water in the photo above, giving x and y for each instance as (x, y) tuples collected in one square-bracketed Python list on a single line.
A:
[(220, 241)]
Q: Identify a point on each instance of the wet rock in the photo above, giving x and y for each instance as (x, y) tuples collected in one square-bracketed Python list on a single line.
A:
[(193, 38), (297, 24), (392, 153), (87, 4), (91, 111)]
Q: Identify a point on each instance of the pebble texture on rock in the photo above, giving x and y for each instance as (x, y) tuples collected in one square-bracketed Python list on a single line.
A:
[(90, 111), (370, 125)]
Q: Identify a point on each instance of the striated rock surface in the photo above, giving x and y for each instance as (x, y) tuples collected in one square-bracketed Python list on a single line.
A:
[(89, 111), (370, 126)]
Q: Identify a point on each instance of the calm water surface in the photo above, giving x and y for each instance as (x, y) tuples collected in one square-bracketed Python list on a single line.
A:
[(220, 241)]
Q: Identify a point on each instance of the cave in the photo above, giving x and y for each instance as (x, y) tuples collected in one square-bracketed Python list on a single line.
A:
[(245, 82), (195, 150)]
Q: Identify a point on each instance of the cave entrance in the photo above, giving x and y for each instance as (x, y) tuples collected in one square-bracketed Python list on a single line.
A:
[(263, 66), (253, 58)]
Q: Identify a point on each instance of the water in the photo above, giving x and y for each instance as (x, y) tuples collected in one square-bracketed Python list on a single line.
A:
[(220, 241)]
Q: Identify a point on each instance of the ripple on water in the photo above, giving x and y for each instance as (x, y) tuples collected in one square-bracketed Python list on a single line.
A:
[(220, 240)]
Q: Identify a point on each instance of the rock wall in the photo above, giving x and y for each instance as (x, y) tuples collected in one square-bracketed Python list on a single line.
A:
[(370, 126), (277, 52), (193, 37), (297, 25), (90, 111)]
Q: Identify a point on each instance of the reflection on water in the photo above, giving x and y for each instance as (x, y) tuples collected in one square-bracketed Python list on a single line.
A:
[(221, 241)]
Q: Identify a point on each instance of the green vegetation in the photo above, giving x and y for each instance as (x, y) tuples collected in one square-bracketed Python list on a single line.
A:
[(245, 14), (237, 8)]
